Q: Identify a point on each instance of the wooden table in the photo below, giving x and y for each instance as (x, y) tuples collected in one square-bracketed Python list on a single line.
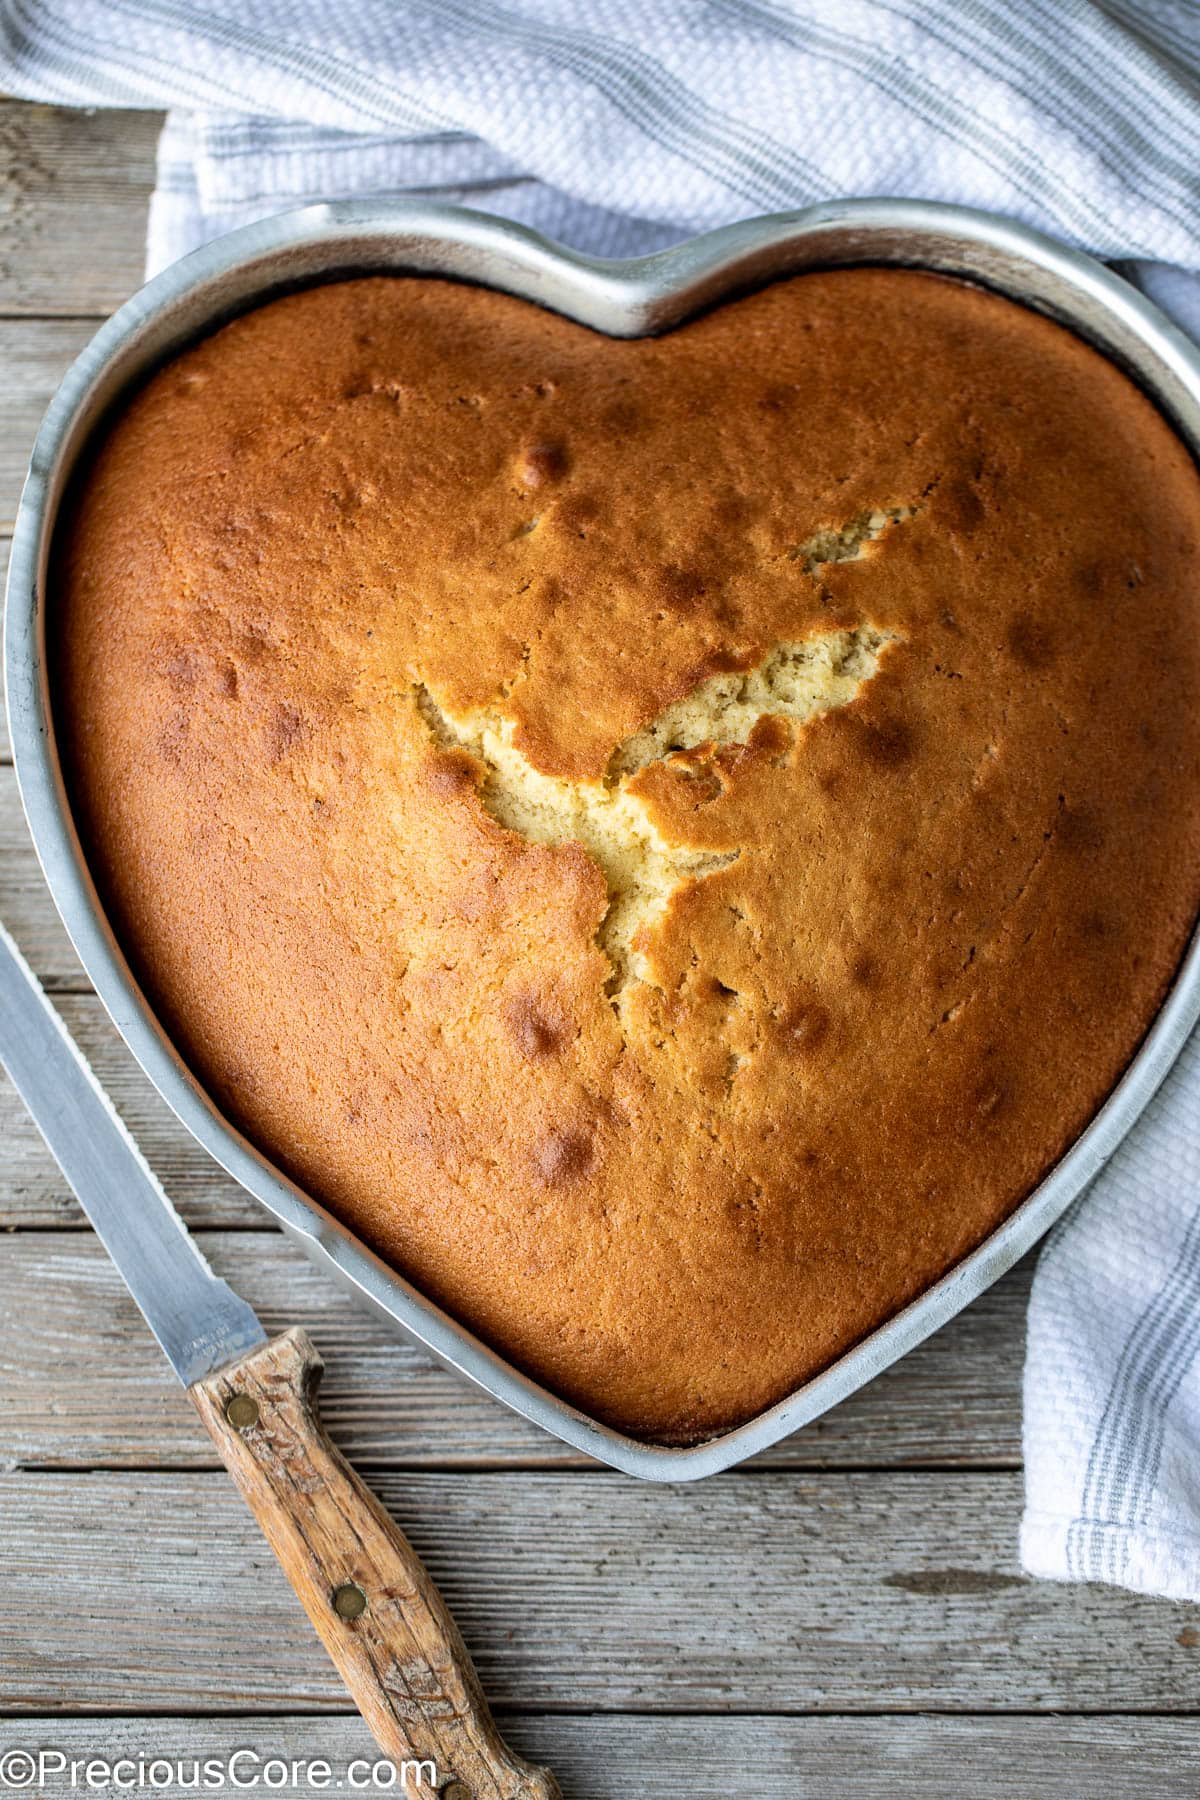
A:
[(843, 1617)]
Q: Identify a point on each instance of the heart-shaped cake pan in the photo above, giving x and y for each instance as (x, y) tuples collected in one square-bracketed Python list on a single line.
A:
[(626, 299)]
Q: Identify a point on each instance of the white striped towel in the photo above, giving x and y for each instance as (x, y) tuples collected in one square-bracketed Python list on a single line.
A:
[(621, 125)]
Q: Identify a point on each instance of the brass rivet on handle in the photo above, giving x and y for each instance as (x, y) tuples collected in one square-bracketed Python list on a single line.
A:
[(349, 1602), (242, 1411)]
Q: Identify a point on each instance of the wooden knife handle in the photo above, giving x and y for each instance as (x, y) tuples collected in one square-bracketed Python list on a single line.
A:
[(361, 1582)]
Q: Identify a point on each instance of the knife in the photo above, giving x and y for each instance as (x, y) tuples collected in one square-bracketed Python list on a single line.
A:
[(359, 1579)]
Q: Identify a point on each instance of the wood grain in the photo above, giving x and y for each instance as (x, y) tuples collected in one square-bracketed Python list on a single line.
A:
[(5, 746), (83, 1384), (33, 1193), (757, 1592), (25, 903), (35, 354), (613, 1757), (367, 1594), (74, 187)]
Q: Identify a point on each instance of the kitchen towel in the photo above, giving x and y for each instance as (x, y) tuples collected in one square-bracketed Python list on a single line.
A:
[(620, 126)]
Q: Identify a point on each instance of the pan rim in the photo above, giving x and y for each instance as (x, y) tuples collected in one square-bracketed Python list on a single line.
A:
[(632, 298)]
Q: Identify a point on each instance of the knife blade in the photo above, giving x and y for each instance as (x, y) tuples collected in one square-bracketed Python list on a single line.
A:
[(362, 1584)]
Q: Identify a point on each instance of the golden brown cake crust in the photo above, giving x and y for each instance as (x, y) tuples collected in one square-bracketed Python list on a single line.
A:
[(675, 1119)]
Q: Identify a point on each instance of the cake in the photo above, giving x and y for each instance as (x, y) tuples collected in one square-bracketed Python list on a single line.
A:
[(669, 840)]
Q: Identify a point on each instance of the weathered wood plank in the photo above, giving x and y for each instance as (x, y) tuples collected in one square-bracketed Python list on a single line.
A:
[(32, 1190), (759, 1591), (74, 187), (770, 1757), (5, 746), (82, 1383), (25, 903), (35, 354)]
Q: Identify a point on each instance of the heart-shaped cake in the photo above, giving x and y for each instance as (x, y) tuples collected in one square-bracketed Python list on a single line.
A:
[(668, 839)]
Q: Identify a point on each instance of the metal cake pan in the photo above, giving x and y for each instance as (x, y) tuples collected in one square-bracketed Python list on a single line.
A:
[(624, 299)]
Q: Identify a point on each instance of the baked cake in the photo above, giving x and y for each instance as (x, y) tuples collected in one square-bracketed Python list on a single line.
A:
[(668, 840)]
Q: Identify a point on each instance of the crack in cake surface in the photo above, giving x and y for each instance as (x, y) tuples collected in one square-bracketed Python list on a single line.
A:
[(642, 869), (794, 681), (849, 542)]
